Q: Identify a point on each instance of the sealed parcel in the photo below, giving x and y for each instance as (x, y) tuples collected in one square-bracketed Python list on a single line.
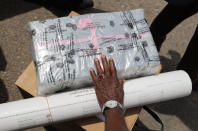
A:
[(64, 48)]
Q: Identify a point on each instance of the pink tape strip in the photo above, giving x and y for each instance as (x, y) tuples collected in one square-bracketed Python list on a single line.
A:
[(85, 22)]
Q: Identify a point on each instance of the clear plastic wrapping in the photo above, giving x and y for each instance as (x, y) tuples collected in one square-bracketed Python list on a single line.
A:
[(64, 48)]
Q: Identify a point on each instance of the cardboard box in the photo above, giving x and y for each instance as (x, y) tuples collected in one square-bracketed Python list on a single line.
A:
[(27, 82)]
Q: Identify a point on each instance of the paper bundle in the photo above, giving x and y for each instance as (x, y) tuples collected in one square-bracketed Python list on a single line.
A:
[(64, 48)]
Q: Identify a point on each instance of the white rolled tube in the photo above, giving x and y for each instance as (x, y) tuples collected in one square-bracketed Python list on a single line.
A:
[(81, 103)]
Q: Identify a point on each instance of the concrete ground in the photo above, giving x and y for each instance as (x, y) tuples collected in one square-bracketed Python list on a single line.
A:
[(15, 55)]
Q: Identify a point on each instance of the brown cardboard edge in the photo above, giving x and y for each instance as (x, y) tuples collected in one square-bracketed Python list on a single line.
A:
[(23, 78)]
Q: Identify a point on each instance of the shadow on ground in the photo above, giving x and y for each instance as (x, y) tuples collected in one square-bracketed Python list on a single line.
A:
[(10, 8), (168, 19), (3, 61), (184, 108), (139, 126), (170, 64), (3, 90), (63, 7)]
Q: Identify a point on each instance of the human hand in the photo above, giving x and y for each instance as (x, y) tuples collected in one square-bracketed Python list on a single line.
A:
[(108, 87)]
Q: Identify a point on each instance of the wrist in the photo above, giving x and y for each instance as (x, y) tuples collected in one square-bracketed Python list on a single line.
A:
[(111, 104), (113, 111)]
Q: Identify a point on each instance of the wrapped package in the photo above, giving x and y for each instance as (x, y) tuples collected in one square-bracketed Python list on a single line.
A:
[(64, 48)]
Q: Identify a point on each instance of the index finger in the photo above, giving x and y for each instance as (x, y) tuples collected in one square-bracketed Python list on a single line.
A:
[(93, 75)]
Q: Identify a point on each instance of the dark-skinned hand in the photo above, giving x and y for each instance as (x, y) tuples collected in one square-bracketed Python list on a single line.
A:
[(108, 88)]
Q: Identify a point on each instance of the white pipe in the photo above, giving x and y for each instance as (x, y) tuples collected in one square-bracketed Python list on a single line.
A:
[(39, 111)]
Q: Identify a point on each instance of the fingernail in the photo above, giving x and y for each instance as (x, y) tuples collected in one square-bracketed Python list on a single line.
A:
[(111, 59), (103, 56), (96, 59), (91, 69)]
